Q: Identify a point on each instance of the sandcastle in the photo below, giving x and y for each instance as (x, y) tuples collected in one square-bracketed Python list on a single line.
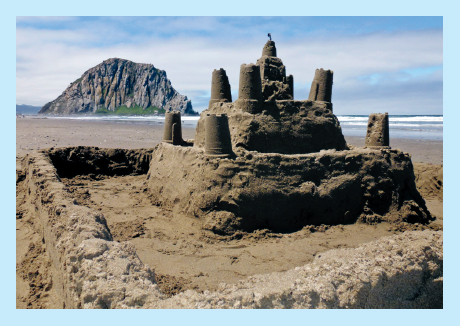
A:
[(264, 161), (267, 161)]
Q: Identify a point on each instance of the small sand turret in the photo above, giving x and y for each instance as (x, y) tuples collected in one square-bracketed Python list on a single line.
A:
[(220, 87), (321, 87), (378, 127), (250, 89), (173, 128), (269, 49), (218, 141)]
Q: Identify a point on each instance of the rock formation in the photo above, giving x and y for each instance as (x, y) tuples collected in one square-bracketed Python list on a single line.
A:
[(118, 82)]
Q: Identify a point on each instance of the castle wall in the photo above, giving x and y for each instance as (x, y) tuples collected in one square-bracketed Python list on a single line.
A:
[(90, 269), (269, 49), (288, 127), (284, 193)]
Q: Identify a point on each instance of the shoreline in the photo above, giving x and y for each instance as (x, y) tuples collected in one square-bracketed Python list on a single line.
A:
[(38, 133)]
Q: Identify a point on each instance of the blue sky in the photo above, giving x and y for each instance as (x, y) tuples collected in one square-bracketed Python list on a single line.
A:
[(380, 64)]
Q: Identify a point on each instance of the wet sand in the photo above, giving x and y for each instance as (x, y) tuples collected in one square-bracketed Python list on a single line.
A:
[(182, 255), (422, 151)]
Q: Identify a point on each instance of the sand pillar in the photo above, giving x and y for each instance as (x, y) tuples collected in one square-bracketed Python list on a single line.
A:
[(217, 136), (220, 87), (177, 134), (172, 136), (250, 89), (321, 87), (378, 130), (269, 49)]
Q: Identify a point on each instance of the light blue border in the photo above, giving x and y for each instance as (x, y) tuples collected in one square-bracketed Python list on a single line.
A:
[(236, 8)]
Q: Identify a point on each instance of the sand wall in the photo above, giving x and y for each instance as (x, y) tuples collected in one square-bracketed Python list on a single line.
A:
[(284, 193), (287, 127), (93, 270), (397, 272)]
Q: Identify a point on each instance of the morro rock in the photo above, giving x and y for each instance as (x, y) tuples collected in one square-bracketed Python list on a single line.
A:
[(118, 82)]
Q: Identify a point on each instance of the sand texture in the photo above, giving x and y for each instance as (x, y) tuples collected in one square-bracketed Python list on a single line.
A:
[(288, 127), (284, 193), (106, 229)]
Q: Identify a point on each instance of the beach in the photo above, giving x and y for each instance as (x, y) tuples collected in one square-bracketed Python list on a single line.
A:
[(182, 255)]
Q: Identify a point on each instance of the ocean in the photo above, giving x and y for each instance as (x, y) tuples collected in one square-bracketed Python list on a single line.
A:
[(426, 127)]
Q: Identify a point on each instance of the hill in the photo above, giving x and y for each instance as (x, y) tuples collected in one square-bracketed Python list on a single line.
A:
[(119, 86)]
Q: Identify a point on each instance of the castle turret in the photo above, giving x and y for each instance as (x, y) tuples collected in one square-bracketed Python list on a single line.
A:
[(173, 128), (275, 84), (269, 49), (220, 87), (250, 89), (217, 140), (321, 87), (378, 134)]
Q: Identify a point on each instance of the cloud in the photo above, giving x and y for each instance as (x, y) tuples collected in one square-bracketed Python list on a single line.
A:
[(385, 67)]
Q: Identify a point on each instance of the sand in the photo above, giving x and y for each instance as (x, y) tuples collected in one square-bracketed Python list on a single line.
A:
[(182, 255)]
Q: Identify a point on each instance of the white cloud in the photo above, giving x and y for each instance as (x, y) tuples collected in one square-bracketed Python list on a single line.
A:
[(48, 61)]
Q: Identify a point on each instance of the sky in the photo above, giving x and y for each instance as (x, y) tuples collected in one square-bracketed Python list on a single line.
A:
[(380, 64)]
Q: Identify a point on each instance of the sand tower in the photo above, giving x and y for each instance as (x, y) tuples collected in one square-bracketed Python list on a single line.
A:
[(275, 84), (217, 140), (321, 87), (173, 128), (269, 49), (378, 134), (290, 82), (250, 89), (220, 87)]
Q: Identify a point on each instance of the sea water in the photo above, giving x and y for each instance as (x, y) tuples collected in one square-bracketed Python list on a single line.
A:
[(426, 127)]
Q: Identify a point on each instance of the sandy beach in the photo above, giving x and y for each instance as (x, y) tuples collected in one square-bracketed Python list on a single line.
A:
[(181, 253)]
